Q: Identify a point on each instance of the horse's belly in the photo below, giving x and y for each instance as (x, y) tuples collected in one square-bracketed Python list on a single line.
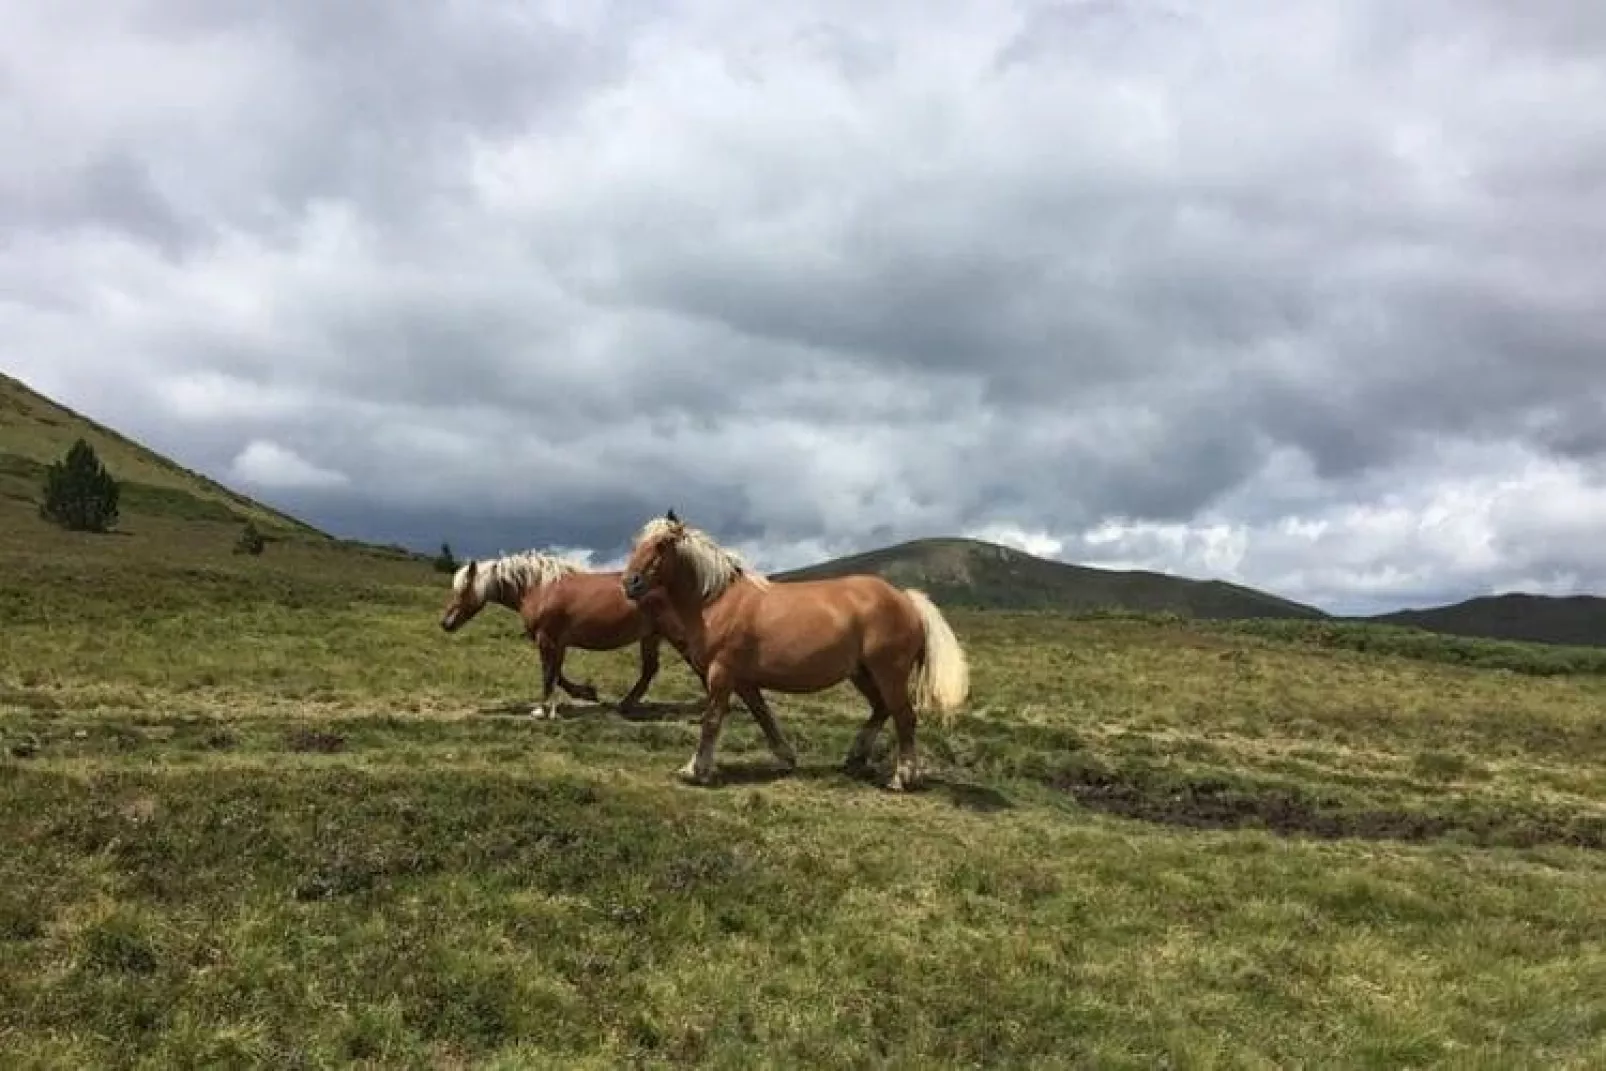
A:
[(598, 624), (603, 635), (800, 666)]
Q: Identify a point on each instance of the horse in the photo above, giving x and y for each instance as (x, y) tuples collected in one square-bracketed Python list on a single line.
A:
[(743, 632), (562, 605)]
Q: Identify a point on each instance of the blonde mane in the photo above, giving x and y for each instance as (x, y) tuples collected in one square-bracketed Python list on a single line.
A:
[(714, 567), (511, 575)]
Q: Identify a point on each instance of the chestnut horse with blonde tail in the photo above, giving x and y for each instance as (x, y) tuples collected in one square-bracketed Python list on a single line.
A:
[(743, 632), (562, 605)]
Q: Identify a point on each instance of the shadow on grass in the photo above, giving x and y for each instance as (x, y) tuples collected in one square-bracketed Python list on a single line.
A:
[(687, 710), (970, 796), (684, 710), (962, 794)]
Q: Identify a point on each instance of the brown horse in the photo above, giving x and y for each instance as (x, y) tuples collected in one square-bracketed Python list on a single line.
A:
[(562, 606), (743, 632)]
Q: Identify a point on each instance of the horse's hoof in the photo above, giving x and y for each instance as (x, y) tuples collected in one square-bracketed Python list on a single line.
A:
[(788, 760), (902, 781), (691, 775)]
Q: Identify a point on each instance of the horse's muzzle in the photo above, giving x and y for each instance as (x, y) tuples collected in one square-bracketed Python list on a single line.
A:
[(449, 622), (635, 586)]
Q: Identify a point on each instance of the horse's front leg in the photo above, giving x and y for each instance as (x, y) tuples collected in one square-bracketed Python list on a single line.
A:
[(649, 670), (586, 693), (699, 769)]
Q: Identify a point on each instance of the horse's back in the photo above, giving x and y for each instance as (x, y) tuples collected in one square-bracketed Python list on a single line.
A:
[(594, 610), (863, 603)]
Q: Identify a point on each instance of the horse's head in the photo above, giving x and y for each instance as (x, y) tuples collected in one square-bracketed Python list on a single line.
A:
[(653, 560), (467, 599)]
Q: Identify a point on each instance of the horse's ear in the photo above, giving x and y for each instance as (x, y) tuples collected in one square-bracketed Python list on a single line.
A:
[(671, 518)]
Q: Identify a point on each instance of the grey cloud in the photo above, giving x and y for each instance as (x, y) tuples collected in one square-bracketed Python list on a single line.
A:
[(603, 526), (114, 189)]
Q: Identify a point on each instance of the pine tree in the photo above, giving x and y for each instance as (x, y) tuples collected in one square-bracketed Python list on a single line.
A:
[(79, 494), (445, 562)]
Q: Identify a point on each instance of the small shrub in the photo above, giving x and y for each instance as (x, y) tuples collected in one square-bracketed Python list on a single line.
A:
[(445, 561), (79, 494), (250, 541)]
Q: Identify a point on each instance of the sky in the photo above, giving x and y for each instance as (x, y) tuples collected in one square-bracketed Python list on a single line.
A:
[(1298, 294)]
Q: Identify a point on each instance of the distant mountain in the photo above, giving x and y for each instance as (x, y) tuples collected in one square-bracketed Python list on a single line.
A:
[(1577, 620), (969, 572)]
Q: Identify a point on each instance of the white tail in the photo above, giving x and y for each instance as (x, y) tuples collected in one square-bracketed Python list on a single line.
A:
[(942, 680)]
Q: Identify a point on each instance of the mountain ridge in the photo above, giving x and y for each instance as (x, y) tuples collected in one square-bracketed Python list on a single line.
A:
[(1575, 620), (965, 571)]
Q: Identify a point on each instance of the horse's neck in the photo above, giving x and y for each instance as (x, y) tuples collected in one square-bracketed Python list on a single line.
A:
[(691, 616), (725, 611), (511, 593)]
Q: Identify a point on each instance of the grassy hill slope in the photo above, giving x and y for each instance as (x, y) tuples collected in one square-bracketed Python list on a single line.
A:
[(1575, 619), (166, 510), (35, 431), (968, 572)]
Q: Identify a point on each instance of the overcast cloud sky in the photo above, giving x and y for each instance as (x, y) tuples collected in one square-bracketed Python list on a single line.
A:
[(1307, 295)]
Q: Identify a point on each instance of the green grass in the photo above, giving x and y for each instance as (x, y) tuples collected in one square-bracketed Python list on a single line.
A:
[(262, 812)]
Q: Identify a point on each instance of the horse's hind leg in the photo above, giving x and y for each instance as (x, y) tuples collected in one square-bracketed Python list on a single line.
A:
[(859, 754), (551, 670), (649, 670), (891, 681), (766, 721)]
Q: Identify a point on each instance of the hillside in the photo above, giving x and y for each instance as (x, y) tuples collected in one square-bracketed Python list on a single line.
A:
[(1577, 620), (165, 509), (973, 573), (35, 431)]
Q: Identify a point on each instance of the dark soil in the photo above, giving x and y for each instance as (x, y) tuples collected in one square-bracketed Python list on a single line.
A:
[(313, 740), (1220, 803)]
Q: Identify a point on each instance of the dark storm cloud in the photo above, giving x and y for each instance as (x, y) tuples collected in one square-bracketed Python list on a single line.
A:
[(1301, 294)]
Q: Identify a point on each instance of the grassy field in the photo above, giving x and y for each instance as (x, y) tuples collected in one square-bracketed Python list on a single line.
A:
[(263, 812)]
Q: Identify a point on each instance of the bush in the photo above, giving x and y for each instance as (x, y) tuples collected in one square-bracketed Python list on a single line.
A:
[(79, 494), (250, 541)]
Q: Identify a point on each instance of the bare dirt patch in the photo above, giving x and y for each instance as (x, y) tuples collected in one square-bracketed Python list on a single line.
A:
[(1206, 802), (315, 740)]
